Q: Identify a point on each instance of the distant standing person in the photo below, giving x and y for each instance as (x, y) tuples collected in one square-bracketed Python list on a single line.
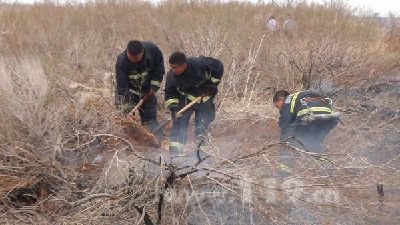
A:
[(139, 72), (271, 23), (289, 25), (188, 79)]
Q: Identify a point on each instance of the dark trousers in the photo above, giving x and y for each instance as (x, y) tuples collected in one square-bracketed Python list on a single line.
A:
[(204, 115), (313, 135)]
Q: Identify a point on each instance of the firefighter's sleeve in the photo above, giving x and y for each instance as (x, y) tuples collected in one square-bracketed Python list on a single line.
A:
[(156, 75), (286, 119), (171, 92)]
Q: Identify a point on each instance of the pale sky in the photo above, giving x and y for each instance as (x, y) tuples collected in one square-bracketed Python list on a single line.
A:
[(383, 7)]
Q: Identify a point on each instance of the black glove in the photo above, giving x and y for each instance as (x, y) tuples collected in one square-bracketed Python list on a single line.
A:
[(173, 110), (119, 100), (151, 92), (121, 104), (212, 90)]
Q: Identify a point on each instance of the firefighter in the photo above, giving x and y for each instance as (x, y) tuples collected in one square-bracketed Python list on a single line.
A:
[(306, 118), (188, 79), (139, 72), (271, 23)]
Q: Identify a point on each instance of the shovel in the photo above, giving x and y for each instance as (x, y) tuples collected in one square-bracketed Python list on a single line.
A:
[(140, 128), (178, 114), (137, 106)]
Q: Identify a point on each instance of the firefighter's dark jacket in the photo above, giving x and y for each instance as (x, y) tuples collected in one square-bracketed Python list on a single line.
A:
[(138, 78), (201, 74), (294, 108)]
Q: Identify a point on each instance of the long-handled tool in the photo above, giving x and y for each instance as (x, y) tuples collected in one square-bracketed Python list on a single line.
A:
[(137, 106), (179, 113), (139, 130)]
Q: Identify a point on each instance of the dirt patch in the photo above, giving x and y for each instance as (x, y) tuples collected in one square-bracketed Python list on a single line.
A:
[(244, 135)]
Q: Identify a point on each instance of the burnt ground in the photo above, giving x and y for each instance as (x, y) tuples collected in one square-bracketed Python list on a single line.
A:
[(364, 152), (361, 159)]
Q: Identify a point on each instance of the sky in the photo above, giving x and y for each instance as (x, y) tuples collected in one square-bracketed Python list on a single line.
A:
[(383, 7)]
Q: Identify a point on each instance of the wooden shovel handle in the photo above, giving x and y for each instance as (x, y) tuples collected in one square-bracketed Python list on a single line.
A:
[(137, 106), (179, 113)]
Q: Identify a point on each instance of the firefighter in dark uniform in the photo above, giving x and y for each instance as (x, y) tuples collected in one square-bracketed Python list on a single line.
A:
[(306, 118), (139, 72), (188, 79)]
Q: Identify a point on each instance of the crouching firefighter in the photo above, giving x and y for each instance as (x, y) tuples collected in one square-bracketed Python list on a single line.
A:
[(139, 72), (306, 118), (188, 79)]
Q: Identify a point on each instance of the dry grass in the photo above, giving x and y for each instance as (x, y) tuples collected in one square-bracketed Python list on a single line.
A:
[(56, 65)]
